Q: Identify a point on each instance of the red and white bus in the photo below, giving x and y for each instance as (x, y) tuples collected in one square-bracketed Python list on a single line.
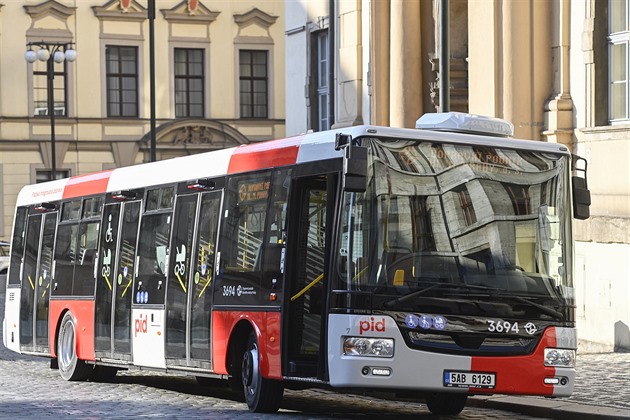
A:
[(434, 261)]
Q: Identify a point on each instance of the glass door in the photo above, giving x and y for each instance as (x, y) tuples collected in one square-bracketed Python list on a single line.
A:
[(200, 296)]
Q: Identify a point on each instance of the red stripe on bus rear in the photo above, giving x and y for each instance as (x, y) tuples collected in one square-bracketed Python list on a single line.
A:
[(270, 154), (522, 375), (81, 185), (83, 313)]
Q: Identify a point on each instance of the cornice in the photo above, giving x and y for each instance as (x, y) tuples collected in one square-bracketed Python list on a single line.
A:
[(185, 13), (114, 10), (257, 16), (50, 7)]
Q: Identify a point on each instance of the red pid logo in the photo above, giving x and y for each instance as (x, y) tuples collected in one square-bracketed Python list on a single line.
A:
[(140, 325), (371, 325)]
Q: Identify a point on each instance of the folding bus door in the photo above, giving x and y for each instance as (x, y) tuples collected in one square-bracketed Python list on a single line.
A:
[(29, 281), (122, 328), (307, 256), (36, 282), (115, 279), (200, 290), (178, 279), (106, 280), (189, 295), (44, 275)]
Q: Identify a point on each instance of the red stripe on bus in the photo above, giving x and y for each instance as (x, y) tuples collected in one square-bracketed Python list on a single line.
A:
[(83, 313), (270, 154), (522, 375), (267, 327), (81, 185)]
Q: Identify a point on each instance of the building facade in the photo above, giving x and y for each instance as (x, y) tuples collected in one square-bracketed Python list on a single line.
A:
[(219, 82), (557, 70)]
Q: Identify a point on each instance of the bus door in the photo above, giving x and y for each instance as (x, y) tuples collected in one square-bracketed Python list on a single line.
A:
[(189, 293), (150, 275), (178, 279), (200, 290), (308, 244), (36, 282), (123, 288), (106, 280), (114, 280)]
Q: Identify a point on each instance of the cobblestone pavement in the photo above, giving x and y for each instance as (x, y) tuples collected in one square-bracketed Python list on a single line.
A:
[(30, 389)]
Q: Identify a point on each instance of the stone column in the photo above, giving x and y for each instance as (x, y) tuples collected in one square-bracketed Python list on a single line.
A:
[(380, 62), (559, 107), (405, 100), (516, 66)]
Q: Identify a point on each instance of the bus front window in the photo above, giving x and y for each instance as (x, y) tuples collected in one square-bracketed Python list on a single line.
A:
[(458, 219)]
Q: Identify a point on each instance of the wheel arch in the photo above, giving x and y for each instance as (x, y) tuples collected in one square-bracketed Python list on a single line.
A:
[(237, 343), (55, 337)]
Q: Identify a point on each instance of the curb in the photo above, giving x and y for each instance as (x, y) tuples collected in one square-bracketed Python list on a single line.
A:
[(549, 408)]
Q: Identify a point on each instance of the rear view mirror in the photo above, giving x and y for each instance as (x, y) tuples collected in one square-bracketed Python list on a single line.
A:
[(355, 168), (579, 186)]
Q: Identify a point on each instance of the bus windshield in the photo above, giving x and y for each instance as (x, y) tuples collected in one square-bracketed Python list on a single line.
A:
[(469, 229)]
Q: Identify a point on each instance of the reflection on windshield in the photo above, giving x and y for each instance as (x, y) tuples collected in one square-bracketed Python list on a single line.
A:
[(446, 213)]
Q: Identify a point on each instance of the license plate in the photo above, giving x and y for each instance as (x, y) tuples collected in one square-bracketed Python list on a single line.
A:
[(459, 379)]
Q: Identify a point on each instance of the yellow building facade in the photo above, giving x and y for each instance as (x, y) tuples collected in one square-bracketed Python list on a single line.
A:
[(558, 70), (219, 82)]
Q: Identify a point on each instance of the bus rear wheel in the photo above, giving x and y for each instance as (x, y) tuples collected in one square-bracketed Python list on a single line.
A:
[(71, 367), (262, 395), (445, 404)]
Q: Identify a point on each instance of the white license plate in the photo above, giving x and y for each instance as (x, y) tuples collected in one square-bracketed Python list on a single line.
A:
[(458, 379)]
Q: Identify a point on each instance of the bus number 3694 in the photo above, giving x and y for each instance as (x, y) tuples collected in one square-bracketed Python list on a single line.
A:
[(229, 290), (502, 326)]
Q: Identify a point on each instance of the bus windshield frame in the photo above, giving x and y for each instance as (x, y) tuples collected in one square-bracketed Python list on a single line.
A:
[(449, 226)]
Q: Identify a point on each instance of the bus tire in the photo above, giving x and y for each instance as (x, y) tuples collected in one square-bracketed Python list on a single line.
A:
[(446, 404), (71, 368), (261, 394), (103, 374)]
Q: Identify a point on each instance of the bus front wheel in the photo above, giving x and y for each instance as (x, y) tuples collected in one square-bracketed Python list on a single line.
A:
[(262, 395), (71, 367), (444, 404)]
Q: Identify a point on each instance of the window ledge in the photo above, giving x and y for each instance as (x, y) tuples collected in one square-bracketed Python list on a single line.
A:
[(606, 133)]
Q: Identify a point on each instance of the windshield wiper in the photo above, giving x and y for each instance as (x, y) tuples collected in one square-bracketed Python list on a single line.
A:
[(544, 309), (491, 291), (411, 295)]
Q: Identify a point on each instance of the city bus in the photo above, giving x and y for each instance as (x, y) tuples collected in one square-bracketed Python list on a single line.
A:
[(433, 262)]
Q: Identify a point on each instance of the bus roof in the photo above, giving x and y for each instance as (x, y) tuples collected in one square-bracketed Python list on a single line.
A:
[(251, 157)]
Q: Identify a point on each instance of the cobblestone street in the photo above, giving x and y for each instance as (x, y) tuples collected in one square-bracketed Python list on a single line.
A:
[(29, 389)]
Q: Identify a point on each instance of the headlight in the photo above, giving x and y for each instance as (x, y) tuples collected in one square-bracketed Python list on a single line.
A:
[(373, 347), (560, 357)]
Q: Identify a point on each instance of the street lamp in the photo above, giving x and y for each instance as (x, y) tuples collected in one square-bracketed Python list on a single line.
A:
[(51, 53)]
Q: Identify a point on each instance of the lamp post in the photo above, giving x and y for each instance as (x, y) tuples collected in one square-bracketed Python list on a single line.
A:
[(51, 53)]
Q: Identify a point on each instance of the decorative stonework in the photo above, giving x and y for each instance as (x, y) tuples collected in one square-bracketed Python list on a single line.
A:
[(256, 17), (193, 134), (129, 10), (51, 8), (196, 134), (124, 5), (189, 11), (192, 6)]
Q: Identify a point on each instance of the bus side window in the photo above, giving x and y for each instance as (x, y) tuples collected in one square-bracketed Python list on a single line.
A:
[(17, 245), (242, 238), (275, 247), (85, 259), (65, 255)]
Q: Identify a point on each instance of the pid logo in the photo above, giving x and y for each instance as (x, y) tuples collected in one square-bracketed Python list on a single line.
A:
[(371, 325), (140, 325)]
